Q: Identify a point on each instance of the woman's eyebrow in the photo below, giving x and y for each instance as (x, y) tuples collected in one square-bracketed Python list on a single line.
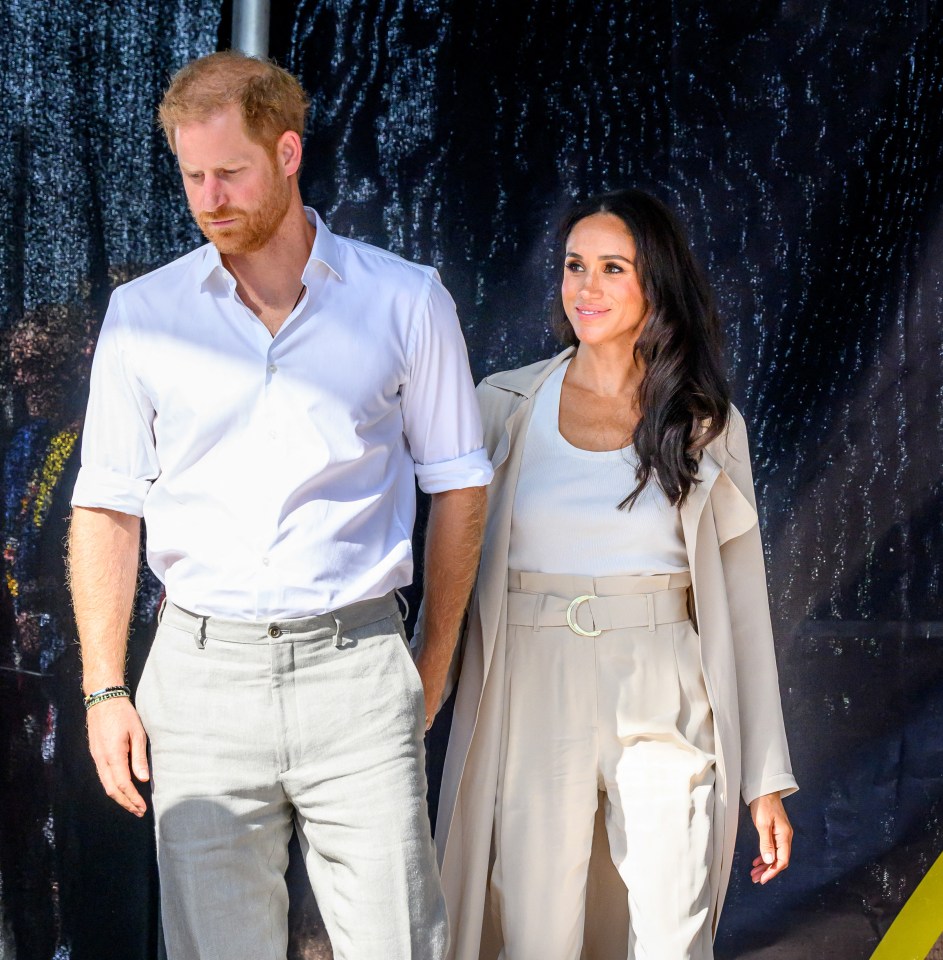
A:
[(602, 256)]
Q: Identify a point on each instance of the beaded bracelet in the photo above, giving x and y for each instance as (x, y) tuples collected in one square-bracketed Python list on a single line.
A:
[(107, 693)]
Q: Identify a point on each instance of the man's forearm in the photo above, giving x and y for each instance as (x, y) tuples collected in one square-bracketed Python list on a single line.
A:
[(453, 547), (103, 567)]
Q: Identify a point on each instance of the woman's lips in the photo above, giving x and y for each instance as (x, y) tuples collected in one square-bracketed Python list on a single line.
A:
[(591, 311)]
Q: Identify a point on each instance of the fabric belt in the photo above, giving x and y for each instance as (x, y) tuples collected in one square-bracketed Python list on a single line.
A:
[(589, 605), (287, 630)]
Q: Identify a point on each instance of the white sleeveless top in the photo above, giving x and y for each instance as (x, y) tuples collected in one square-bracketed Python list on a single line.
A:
[(566, 517)]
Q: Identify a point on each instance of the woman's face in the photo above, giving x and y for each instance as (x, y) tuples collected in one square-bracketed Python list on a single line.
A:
[(602, 296)]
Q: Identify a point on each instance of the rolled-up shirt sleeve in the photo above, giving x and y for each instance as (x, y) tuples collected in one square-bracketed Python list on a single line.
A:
[(119, 459), (440, 411)]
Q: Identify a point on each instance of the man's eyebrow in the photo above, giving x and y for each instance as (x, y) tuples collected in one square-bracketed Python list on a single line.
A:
[(232, 162)]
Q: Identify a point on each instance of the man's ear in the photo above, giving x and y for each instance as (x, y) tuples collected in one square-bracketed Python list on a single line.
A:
[(288, 152)]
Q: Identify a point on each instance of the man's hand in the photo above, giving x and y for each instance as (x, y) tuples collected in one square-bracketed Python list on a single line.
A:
[(433, 675), (114, 734), (453, 545), (775, 833)]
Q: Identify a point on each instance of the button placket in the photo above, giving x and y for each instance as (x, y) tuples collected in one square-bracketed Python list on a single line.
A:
[(272, 426)]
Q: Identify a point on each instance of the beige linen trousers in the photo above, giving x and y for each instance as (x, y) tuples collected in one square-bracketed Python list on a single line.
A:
[(623, 710), (731, 606)]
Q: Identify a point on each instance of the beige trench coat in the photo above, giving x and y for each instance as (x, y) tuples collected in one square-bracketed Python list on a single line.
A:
[(720, 527)]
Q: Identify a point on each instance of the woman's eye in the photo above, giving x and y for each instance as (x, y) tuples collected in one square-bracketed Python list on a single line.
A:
[(573, 266), (613, 268)]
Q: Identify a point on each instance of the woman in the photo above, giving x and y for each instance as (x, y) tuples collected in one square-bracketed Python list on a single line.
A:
[(621, 515)]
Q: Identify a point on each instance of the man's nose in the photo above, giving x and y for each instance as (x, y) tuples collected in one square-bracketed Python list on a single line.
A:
[(214, 194)]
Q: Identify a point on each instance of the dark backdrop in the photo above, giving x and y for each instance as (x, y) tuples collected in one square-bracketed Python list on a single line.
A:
[(801, 144)]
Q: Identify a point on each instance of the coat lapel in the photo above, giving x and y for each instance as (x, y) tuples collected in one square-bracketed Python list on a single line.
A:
[(733, 513), (708, 472), (506, 460)]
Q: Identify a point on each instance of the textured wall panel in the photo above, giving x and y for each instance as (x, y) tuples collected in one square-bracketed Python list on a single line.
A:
[(89, 197), (801, 144)]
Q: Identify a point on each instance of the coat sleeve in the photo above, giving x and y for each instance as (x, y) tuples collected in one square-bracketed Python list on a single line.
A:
[(765, 753)]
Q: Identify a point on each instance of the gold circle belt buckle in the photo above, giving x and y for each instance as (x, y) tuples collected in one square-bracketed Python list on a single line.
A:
[(571, 616)]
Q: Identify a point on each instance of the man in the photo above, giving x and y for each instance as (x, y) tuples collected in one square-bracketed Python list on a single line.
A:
[(264, 403)]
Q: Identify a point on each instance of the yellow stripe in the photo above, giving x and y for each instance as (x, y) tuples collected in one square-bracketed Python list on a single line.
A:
[(919, 923), (60, 449)]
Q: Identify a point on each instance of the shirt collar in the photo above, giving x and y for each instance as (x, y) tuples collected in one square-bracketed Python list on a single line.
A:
[(324, 250), (211, 265)]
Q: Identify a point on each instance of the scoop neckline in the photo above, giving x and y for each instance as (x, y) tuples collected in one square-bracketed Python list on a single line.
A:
[(620, 453)]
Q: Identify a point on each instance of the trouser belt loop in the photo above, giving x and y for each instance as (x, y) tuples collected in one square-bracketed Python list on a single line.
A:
[(538, 609), (199, 633), (404, 601), (650, 598), (339, 632)]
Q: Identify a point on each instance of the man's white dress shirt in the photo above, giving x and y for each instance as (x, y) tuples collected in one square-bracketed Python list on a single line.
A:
[(276, 474)]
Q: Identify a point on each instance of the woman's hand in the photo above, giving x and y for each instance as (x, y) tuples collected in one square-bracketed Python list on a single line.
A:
[(775, 831)]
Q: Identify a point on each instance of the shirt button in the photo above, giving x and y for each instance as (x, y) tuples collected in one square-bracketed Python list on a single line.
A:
[(264, 561), (272, 367), (274, 632)]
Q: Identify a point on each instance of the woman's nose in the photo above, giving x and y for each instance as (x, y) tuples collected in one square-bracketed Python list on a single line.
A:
[(590, 281)]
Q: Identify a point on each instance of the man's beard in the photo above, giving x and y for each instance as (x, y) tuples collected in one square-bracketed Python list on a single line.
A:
[(252, 229)]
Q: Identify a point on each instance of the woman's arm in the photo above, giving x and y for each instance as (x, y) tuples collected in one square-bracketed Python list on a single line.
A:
[(766, 771)]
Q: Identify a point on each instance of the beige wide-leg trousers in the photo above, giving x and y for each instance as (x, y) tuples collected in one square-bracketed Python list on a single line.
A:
[(317, 724), (625, 712)]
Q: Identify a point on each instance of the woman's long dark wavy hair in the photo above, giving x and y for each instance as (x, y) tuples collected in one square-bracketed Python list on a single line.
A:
[(684, 397)]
